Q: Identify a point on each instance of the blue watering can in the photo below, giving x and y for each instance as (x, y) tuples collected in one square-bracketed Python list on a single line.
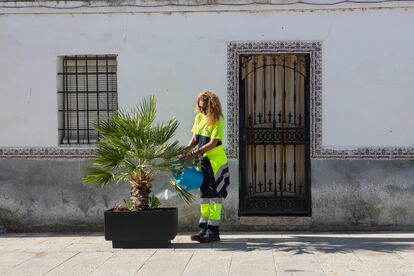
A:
[(189, 178)]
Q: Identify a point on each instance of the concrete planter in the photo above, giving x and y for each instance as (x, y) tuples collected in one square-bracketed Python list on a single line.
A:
[(144, 229)]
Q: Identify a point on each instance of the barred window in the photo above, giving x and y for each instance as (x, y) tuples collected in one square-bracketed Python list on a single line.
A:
[(87, 96)]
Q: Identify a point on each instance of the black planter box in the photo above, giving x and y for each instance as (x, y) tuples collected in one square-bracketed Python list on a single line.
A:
[(143, 229)]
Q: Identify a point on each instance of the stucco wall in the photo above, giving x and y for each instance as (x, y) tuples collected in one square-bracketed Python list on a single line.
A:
[(366, 97), (46, 195), (366, 66), (363, 193)]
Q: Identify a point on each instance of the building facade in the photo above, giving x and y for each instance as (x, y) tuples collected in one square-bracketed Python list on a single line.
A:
[(317, 99)]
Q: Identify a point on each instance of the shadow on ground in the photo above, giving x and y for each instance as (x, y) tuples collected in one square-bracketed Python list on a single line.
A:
[(309, 244), (291, 243)]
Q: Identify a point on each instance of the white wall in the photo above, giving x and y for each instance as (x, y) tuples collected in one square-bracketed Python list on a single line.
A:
[(367, 66)]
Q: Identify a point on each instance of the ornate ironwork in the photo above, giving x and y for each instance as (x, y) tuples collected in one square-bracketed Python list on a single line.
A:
[(88, 97), (276, 206), (274, 125), (276, 136)]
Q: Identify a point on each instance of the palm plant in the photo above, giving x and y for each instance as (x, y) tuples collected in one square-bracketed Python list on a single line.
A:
[(132, 147)]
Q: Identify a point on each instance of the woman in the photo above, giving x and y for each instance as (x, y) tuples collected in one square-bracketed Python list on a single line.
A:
[(208, 135)]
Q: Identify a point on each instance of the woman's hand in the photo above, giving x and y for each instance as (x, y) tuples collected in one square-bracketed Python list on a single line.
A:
[(195, 153), (190, 154)]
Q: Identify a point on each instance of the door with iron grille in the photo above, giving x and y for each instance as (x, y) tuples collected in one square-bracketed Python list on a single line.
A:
[(274, 134)]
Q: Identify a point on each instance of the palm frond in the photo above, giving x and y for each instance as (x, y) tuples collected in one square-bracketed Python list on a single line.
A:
[(97, 176), (123, 177), (146, 111), (128, 165), (163, 132), (169, 150), (187, 197), (103, 126), (109, 153)]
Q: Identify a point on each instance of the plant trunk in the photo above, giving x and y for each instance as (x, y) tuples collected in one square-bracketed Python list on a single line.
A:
[(140, 191)]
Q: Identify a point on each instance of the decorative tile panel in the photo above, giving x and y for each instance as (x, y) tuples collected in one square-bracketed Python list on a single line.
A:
[(47, 152), (314, 49)]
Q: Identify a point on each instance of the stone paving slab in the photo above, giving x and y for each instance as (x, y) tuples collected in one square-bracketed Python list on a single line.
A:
[(237, 254)]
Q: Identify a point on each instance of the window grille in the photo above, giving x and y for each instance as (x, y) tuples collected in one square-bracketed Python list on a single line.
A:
[(88, 96)]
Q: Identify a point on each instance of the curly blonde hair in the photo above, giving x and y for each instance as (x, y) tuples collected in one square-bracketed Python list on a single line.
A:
[(213, 110)]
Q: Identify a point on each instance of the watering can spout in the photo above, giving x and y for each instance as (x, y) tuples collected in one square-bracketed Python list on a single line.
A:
[(167, 194)]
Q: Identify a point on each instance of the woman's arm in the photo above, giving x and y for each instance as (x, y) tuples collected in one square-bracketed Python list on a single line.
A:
[(210, 145), (192, 143)]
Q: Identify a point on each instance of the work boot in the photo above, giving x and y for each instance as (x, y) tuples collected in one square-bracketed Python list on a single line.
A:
[(212, 235), (201, 233), (209, 238)]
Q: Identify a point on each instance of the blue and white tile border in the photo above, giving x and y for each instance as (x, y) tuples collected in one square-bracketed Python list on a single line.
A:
[(64, 152), (314, 49)]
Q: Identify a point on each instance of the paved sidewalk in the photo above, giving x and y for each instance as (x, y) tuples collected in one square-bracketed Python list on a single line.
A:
[(237, 254)]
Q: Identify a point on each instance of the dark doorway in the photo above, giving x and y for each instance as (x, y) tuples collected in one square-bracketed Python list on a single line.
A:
[(274, 134)]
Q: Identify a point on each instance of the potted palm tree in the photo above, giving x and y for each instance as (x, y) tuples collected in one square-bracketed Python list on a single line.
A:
[(131, 149)]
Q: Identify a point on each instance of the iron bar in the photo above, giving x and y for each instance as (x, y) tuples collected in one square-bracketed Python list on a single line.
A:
[(275, 167), (77, 99), (254, 123), (284, 168), (252, 186), (284, 92), (307, 132), (254, 91), (264, 164), (107, 85), (255, 169), (274, 92), (97, 57), (253, 165), (97, 91), (242, 89), (264, 90), (85, 110), (84, 92), (80, 129), (87, 97), (294, 168), (248, 95), (87, 73), (294, 93), (65, 100), (294, 122)]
